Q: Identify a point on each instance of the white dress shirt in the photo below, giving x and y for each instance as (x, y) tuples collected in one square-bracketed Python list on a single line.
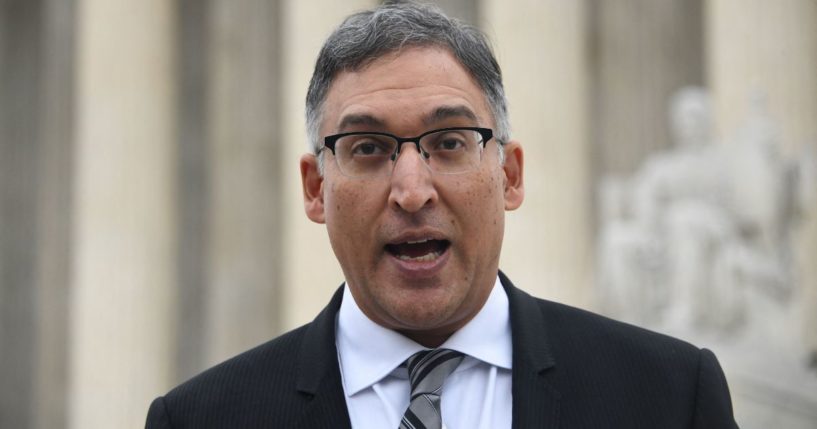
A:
[(476, 395)]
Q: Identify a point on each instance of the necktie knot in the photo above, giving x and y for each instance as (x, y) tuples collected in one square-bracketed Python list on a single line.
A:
[(428, 370)]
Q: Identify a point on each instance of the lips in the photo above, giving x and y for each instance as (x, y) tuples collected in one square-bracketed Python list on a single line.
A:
[(419, 250)]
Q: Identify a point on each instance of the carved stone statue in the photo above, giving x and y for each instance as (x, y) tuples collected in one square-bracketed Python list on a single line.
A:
[(699, 238), (699, 243)]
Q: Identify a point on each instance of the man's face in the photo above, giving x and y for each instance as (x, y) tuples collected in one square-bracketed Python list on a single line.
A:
[(420, 250)]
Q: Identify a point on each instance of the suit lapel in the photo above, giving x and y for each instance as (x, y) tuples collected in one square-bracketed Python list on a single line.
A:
[(318, 372), (535, 400)]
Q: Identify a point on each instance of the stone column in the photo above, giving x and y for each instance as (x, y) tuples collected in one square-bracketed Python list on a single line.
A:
[(244, 136), (193, 192), (771, 48), (641, 53), (310, 270), (122, 329), (541, 47), (52, 284), (20, 55)]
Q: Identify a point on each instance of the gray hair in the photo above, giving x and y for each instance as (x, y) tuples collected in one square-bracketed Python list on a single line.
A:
[(365, 36)]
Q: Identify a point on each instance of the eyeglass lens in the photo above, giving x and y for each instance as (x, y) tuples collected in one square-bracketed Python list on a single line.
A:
[(447, 152)]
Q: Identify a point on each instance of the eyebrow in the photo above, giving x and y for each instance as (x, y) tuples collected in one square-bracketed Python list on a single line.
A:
[(448, 112), (360, 119), (439, 114)]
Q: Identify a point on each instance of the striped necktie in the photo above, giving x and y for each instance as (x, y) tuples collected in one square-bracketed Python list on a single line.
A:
[(427, 372)]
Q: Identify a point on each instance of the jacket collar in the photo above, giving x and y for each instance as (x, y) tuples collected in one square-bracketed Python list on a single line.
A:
[(535, 400), (319, 374)]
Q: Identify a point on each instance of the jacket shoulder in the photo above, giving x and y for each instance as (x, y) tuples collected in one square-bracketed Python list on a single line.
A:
[(255, 386), (599, 332), (631, 374)]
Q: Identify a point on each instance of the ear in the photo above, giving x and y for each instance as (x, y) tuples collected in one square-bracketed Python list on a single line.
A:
[(513, 167), (312, 182)]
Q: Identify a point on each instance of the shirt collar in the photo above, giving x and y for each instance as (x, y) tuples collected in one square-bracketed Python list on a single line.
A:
[(368, 352)]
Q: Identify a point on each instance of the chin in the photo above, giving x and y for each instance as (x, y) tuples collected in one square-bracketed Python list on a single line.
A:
[(426, 313)]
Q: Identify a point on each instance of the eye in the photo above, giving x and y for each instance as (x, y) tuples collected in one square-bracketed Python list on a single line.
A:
[(366, 149), (449, 142), (370, 146)]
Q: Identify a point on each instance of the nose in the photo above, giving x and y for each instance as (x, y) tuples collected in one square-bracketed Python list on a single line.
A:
[(412, 185)]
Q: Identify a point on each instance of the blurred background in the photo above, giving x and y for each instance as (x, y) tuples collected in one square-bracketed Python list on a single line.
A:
[(151, 221)]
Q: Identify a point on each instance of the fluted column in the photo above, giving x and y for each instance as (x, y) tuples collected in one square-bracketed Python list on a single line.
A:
[(20, 46), (122, 330), (541, 48), (757, 46), (770, 47), (54, 202), (243, 136), (642, 53), (193, 191), (311, 272)]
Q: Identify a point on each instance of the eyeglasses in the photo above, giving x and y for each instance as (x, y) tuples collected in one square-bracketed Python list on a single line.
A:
[(372, 154)]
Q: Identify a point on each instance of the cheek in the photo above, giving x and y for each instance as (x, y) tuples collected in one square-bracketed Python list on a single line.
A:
[(336, 200), (347, 209), (489, 195), (483, 208), (339, 202)]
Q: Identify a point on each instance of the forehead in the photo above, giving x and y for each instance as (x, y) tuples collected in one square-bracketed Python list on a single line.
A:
[(405, 90)]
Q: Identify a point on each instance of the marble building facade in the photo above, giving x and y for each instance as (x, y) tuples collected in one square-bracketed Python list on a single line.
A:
[(151, 222)]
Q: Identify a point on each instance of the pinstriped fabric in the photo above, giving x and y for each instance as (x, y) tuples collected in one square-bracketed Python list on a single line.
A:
[(427, 372), (645, 380)]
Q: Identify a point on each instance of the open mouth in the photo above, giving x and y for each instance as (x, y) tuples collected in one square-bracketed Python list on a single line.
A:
[(420, 251)]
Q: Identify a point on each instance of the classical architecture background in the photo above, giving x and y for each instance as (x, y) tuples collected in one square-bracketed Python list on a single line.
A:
[(151, 222)]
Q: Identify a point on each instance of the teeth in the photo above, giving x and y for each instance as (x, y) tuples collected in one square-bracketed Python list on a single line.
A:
[(425, 258), (418, 241)]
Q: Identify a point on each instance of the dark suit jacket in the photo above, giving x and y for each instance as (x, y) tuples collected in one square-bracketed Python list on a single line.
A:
[(571, 369)]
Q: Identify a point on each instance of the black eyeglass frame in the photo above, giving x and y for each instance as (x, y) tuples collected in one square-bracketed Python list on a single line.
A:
[(329, 141)]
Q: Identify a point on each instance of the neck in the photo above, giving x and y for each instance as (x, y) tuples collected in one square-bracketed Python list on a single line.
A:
[(426, 339)]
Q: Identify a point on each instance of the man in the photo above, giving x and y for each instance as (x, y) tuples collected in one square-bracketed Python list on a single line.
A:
[(412, 171)]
